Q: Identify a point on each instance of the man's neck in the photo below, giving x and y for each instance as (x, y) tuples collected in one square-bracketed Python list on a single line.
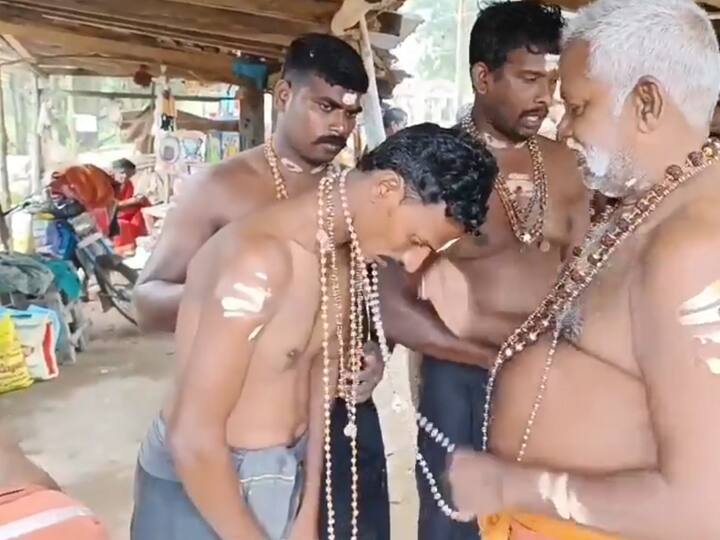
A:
[(493, 137), (662, 154), (296, 219), (290, 160)]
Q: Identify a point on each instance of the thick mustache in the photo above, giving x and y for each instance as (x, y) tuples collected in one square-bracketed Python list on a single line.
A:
[(333, 140)]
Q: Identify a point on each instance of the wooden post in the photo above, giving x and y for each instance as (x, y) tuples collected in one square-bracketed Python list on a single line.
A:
[(374, 129), (5, 239), (5, 200), (35, 139), (72, 142), (252, 116)]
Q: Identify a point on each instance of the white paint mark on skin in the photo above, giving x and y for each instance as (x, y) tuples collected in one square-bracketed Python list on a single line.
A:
[(256, 332), (249, 301), (498, 144), (318, 170), (703, 308), (349, 98), (713, 365), (554, 489), (523, 188), (447, 245), (261, 275), (552, 61), (291, 166)]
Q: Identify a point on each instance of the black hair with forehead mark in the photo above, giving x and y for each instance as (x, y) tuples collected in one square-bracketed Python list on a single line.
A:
[(326, 57), (503, 27), (440, 165)]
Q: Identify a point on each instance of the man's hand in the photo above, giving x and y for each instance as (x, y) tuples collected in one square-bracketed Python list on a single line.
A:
[(476, 483), (372, 372)]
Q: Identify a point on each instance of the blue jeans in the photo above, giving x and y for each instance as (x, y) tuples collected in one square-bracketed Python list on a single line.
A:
[(452, 397), (374, 503)]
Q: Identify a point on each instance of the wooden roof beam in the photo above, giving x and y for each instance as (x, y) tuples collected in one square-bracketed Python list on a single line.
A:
[(22, 53), (318, 12), (150, 33), (23, 18), (216, 67), (221, 24)]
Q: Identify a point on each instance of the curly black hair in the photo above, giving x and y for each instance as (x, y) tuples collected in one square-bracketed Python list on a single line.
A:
[(327, 57), (506, 26), (440, 165)]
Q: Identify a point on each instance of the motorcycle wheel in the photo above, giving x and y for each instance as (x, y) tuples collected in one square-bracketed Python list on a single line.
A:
[(117, 281)]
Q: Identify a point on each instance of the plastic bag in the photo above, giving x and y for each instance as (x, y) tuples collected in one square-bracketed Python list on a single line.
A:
[(14, 374), (36, 334)]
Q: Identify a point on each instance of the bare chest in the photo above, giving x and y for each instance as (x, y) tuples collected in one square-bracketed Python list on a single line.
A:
[(296, 334)]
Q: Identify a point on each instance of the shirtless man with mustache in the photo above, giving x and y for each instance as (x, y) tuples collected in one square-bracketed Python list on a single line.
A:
[(488, 284), (603, 423), (317, 100)]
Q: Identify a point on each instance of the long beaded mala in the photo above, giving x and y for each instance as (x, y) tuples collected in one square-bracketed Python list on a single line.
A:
[(364, 294), (518, 217), (576, 276), (325, 248), (328, 265), (281, 192), (372, 298)]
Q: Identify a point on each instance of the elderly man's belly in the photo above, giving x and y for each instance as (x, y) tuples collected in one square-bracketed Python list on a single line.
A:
[(592, 418)]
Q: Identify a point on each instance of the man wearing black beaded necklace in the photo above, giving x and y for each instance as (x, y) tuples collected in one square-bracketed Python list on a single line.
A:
[(484, 286)]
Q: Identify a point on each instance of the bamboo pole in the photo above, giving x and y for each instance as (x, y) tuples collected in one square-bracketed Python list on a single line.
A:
[(5, 201), (374, 129), (35, 140), (138, 95)]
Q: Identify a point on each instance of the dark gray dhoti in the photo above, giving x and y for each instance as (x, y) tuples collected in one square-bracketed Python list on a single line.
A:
[(271, 481)]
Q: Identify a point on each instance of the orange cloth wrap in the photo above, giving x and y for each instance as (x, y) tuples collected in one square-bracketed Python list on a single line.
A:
[(500, 526)]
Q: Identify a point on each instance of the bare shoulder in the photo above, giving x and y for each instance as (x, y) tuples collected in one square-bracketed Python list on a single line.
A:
[(558, 152), (562, 165), (682, 251), (261, 260), (236, 182)]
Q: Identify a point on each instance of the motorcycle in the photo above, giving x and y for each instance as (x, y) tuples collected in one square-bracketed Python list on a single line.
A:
[(77, 238)]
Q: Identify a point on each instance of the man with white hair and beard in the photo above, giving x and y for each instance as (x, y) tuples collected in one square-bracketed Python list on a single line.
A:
[(605, 402)]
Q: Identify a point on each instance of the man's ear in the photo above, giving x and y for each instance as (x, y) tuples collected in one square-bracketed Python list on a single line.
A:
[(648, 104), (282, 94), (480, 76), (387, 186)]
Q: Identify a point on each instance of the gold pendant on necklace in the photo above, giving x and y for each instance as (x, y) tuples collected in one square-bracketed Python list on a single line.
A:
[(544, 246), (526, 238)]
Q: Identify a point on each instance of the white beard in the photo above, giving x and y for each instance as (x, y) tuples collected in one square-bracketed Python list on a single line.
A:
[(613, 175)]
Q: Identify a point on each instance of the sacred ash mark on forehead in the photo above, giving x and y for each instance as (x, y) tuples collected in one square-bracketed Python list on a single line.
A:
[(350, 99), (552, 62)]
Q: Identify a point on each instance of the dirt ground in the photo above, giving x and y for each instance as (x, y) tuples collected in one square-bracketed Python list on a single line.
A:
[(85, 427)]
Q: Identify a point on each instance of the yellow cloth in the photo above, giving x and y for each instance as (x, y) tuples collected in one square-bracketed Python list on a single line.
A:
[(498, 527)]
